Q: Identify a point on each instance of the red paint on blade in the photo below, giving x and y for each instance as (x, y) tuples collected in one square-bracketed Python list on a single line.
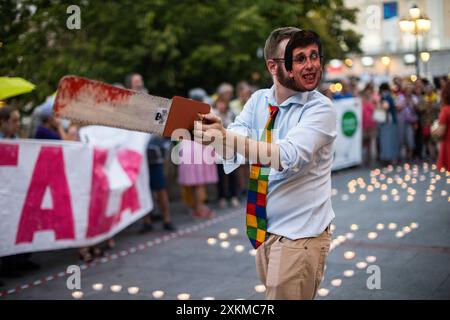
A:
[(70, 88)]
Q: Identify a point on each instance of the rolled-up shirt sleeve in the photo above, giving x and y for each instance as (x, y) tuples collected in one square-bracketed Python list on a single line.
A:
[(242, 126), (301, 146)]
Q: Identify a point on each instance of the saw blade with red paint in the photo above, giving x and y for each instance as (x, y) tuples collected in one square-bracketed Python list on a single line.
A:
[(93, 102)]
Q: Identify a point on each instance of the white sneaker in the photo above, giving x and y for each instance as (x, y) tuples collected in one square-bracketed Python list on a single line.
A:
[(235, 202)]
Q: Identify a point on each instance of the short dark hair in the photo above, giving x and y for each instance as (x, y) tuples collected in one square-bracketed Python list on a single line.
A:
[(274, 39), (445, 94), (385, 87), (5, 112), (300, 39)]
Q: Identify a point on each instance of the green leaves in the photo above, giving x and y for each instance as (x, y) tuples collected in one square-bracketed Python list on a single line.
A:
[(174, 44)]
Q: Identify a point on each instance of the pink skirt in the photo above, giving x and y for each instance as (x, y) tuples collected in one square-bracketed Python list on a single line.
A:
[(197, 164)]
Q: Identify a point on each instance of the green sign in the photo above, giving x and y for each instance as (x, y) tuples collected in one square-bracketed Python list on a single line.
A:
[(349, 123)]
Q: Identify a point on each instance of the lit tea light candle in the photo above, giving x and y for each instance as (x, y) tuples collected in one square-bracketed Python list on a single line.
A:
[(225, 244), (407, 229), (260, 288), (410, 198), (404, 185), (334, 192), (399, 234), (432, 187), (392, 226), (239, 248), (252, 252), (429, 193), (352, 190), (116, 288), (384, 187), (212, 241), (333, 227), (389, 180), (348, 255), (223, 236), (97, 286), (377, 185), (341, 238), (429, 199), (349, 273), (362, 197), (323, 292), (370, 188), (414, 225), (183, 296), (133, 290), (77, 294), (158, 294), (336, 282), (354, 227), (413, 180), (443, 193), (361, 265), (396, 198), (380, 226), (438, 177), (233, 231), (371, 259), (394, 192), (384, 198), (349, 235), (372, 235), (208, 298)]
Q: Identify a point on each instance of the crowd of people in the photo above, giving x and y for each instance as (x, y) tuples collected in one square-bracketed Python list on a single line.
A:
[(397, 122), (397, 118)]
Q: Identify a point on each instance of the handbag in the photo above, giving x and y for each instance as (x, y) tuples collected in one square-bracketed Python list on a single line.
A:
[(438, 130), (379, 115)]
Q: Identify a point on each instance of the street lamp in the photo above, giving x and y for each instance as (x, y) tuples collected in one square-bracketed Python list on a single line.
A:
[(425, 57), (417, 24)]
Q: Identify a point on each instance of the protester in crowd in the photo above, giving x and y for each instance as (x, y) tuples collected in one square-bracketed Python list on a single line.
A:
[(51, 127), (12, 266), (156, 155), (406, 104), (388, 131), (228, 184), (428, 110), (369, 126), (225, 93), (444, 124), (244, 91), (197, 169)]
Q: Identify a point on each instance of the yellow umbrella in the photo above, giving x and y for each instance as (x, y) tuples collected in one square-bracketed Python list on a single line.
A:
[(13, 86)]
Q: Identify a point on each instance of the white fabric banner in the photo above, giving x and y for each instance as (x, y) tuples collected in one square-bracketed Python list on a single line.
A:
[(60, 194), (348, 145)]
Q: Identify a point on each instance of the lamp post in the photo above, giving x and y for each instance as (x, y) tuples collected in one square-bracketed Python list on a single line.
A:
[(416, 23)]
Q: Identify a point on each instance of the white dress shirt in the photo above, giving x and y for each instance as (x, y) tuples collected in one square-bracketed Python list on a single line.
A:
[(299, 196)]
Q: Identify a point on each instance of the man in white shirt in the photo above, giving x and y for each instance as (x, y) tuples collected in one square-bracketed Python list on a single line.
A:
[(290, 262)]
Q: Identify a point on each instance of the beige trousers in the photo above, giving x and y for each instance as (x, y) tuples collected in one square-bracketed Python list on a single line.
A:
[(292, 269)]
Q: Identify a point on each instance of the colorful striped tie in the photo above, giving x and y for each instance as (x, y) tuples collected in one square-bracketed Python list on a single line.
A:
[(257, 190)]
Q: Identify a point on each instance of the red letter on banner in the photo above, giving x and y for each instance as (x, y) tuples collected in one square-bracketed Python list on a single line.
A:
[(49, 173), (131, 162), (99, 222), (9, 154)]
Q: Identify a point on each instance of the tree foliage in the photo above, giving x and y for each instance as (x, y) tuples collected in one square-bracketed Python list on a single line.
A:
[(175, 45)]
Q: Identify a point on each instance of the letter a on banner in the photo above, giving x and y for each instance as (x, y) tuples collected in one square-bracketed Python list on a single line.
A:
[(48, 173), (99, 222)]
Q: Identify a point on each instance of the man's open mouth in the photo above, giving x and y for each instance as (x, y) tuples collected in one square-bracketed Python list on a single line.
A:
[(309, 76)]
